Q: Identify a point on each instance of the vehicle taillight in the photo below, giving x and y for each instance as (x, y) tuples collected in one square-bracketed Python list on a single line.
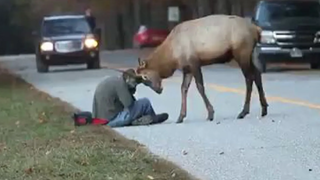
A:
[(143, 37)]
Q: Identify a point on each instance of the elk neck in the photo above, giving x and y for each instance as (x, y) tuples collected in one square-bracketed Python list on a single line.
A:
[(162, 61)]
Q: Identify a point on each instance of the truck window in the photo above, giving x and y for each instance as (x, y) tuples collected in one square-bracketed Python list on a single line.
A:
[(273, 11), (59, 27)]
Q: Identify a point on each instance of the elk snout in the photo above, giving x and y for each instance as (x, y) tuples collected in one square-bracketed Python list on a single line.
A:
[(158, 89)]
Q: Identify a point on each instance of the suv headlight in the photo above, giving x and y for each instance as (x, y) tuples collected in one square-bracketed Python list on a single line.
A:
[(267, 37), (90, 43), (46, 46)]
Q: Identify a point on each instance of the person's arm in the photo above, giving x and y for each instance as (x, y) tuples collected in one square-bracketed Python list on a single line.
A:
[(124, 95), (132, 91), (91, 20)]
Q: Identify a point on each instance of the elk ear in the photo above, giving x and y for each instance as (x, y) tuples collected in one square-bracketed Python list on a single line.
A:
[(141, 78), (142, 63), (127, 75), (144, 77)]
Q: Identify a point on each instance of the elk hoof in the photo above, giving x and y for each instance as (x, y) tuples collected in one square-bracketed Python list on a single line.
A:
[(210, 117), (180, 120), (264, 111), (242, 114)]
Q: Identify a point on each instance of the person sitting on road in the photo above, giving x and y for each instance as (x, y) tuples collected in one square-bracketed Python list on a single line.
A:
[(114, 100)]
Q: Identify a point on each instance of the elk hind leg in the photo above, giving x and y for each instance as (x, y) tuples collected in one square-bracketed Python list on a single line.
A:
[(262, 97), (199, 82), (247, 71)]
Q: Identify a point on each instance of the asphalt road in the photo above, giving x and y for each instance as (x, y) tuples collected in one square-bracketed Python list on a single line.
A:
[(285, 145)]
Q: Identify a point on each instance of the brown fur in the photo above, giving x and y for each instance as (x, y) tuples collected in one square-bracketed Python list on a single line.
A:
[(200, 42)]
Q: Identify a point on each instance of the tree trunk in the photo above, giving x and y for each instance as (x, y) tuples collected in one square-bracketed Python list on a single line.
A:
[(223, 7), (111, 28), (204, 8), (137, 14), (127, 24)]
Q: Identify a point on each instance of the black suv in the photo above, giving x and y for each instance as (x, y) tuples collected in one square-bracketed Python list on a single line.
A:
[(67, 39), (291, 31)]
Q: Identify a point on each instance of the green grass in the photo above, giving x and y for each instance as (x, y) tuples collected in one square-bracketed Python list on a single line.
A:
[(39, 141)]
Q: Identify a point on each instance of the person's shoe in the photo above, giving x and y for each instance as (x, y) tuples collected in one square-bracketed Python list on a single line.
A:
[(160, 118), (144, 120)]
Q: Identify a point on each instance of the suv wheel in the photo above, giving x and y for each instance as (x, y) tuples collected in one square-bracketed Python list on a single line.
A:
[(315, 65), (41, 67), (94, 64)]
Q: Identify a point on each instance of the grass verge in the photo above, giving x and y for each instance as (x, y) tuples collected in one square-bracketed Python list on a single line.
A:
[(38, 141)]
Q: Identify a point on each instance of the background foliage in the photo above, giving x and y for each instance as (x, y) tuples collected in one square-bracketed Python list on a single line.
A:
[(118, 19)]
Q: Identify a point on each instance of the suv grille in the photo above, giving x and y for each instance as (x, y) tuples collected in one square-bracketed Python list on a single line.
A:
[(295, 37), (68, 46)]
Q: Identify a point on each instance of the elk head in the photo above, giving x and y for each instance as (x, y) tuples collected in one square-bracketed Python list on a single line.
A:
[(150, 77)]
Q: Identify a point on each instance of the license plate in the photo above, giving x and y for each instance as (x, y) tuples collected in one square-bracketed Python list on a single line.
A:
[(295, 52), (65, 45), (69, 46)]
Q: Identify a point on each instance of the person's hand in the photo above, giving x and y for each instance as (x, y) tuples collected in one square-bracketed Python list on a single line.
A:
[(132, 90)]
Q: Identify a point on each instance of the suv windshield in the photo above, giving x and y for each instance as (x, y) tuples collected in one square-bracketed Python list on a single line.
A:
[(274, 11), (59, 27)]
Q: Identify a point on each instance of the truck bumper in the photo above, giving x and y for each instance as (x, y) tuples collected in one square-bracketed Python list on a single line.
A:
[(79, 57), (276, 54)]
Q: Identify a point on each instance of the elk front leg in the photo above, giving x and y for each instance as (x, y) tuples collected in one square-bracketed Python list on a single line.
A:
[(199, 82), (187, 77)]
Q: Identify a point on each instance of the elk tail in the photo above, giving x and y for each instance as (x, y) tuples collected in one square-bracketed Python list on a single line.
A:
[(257, 32), (256, 61), (254, 57)]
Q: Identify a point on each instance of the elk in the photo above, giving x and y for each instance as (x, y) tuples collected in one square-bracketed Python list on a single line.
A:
[(205, 41)]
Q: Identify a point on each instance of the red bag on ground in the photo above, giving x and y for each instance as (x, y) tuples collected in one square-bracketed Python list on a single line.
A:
[(84, 117)]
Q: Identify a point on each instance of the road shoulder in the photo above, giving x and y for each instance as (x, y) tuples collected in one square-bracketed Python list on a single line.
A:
[(39, 139)]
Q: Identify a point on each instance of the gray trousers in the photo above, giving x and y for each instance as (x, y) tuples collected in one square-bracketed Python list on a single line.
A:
[(139, 108)]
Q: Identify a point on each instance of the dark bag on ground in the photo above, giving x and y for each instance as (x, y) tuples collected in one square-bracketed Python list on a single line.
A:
[(85, 117)]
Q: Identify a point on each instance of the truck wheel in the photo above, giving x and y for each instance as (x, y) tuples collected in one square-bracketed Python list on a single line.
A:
[(94, 64), (315, 65), (41, 67)]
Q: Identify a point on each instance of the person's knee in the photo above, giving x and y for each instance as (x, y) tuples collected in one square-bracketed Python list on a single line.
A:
[(144, 101), (140, 108)]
